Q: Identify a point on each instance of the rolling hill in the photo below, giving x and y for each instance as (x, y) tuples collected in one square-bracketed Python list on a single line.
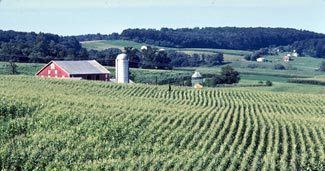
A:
[(120, 44)]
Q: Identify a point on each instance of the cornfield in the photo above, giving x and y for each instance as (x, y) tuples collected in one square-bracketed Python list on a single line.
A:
[(78, 125)]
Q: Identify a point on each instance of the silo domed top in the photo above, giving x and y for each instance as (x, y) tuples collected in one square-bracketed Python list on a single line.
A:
[(144, 48), (196, 75), (122, 56)]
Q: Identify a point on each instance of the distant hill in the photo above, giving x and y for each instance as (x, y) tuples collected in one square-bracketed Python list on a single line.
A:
[(220, 38), (43, 47), (311, 47), (209, 37), (309, 43)]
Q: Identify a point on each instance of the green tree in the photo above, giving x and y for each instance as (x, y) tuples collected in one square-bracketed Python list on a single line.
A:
[(279, 67), (12, 67), (229, 75), (147, 58), (268, 83), (215, 59), (155, 58), (161, 60), (134, 56)]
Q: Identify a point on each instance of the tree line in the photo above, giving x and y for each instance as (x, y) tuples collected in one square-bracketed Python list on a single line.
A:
[(312, 47), (43, 47), (220, 38), (305, 42), (155, 58), (39, 47)]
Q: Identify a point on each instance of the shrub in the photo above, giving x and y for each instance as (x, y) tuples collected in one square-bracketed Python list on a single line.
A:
[(229, 75), (248, 57), (268, 83), (306, 81), (214, 81), (279, 67), (252, 66), (290, 67)]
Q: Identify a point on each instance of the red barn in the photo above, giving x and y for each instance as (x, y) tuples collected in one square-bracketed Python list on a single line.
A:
[(286, 58), (88, 70)]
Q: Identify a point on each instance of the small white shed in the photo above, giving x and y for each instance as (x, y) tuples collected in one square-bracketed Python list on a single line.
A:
[(260, 59)]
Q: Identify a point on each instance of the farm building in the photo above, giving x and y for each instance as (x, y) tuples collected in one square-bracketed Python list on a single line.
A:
[(197, 79), (88, 70), (122, 69), (260, 59), (294, 53), (286, 58)]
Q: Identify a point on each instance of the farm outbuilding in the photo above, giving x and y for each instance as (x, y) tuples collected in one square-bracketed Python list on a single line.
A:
[(122, 69), (260, 59), (88, 70), (286, 58), (197, 79)]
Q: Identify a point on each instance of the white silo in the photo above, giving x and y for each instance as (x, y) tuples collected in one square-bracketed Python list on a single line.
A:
[(122, 68), (144, 48)]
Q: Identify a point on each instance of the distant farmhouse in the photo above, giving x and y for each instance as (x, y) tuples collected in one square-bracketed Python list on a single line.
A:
[(88, 70), (290, 56), (260, 59), (294, 54), (287, 58)]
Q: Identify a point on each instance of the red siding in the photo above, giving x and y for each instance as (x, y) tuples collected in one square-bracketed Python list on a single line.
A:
[(55, 72), (99, 77)]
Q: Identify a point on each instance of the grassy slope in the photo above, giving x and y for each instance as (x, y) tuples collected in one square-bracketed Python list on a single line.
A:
[(300, 67), (105, 44), (84, 125)]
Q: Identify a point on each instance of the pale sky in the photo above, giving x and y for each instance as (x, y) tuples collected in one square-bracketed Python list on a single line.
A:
[(73, 17)]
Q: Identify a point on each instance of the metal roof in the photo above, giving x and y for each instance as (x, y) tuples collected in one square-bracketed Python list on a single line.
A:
[(196, 75), (122, 56), (82, 67)]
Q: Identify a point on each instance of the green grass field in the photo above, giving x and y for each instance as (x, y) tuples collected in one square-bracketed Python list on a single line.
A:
[(105, 44), (23, 68), (50, 124), (299, 67)]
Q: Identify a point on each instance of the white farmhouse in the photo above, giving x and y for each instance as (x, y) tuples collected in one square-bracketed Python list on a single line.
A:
[(294, 53), (260, 59)]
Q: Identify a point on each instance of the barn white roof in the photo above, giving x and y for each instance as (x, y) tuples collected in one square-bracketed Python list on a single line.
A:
[(82, 67)]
